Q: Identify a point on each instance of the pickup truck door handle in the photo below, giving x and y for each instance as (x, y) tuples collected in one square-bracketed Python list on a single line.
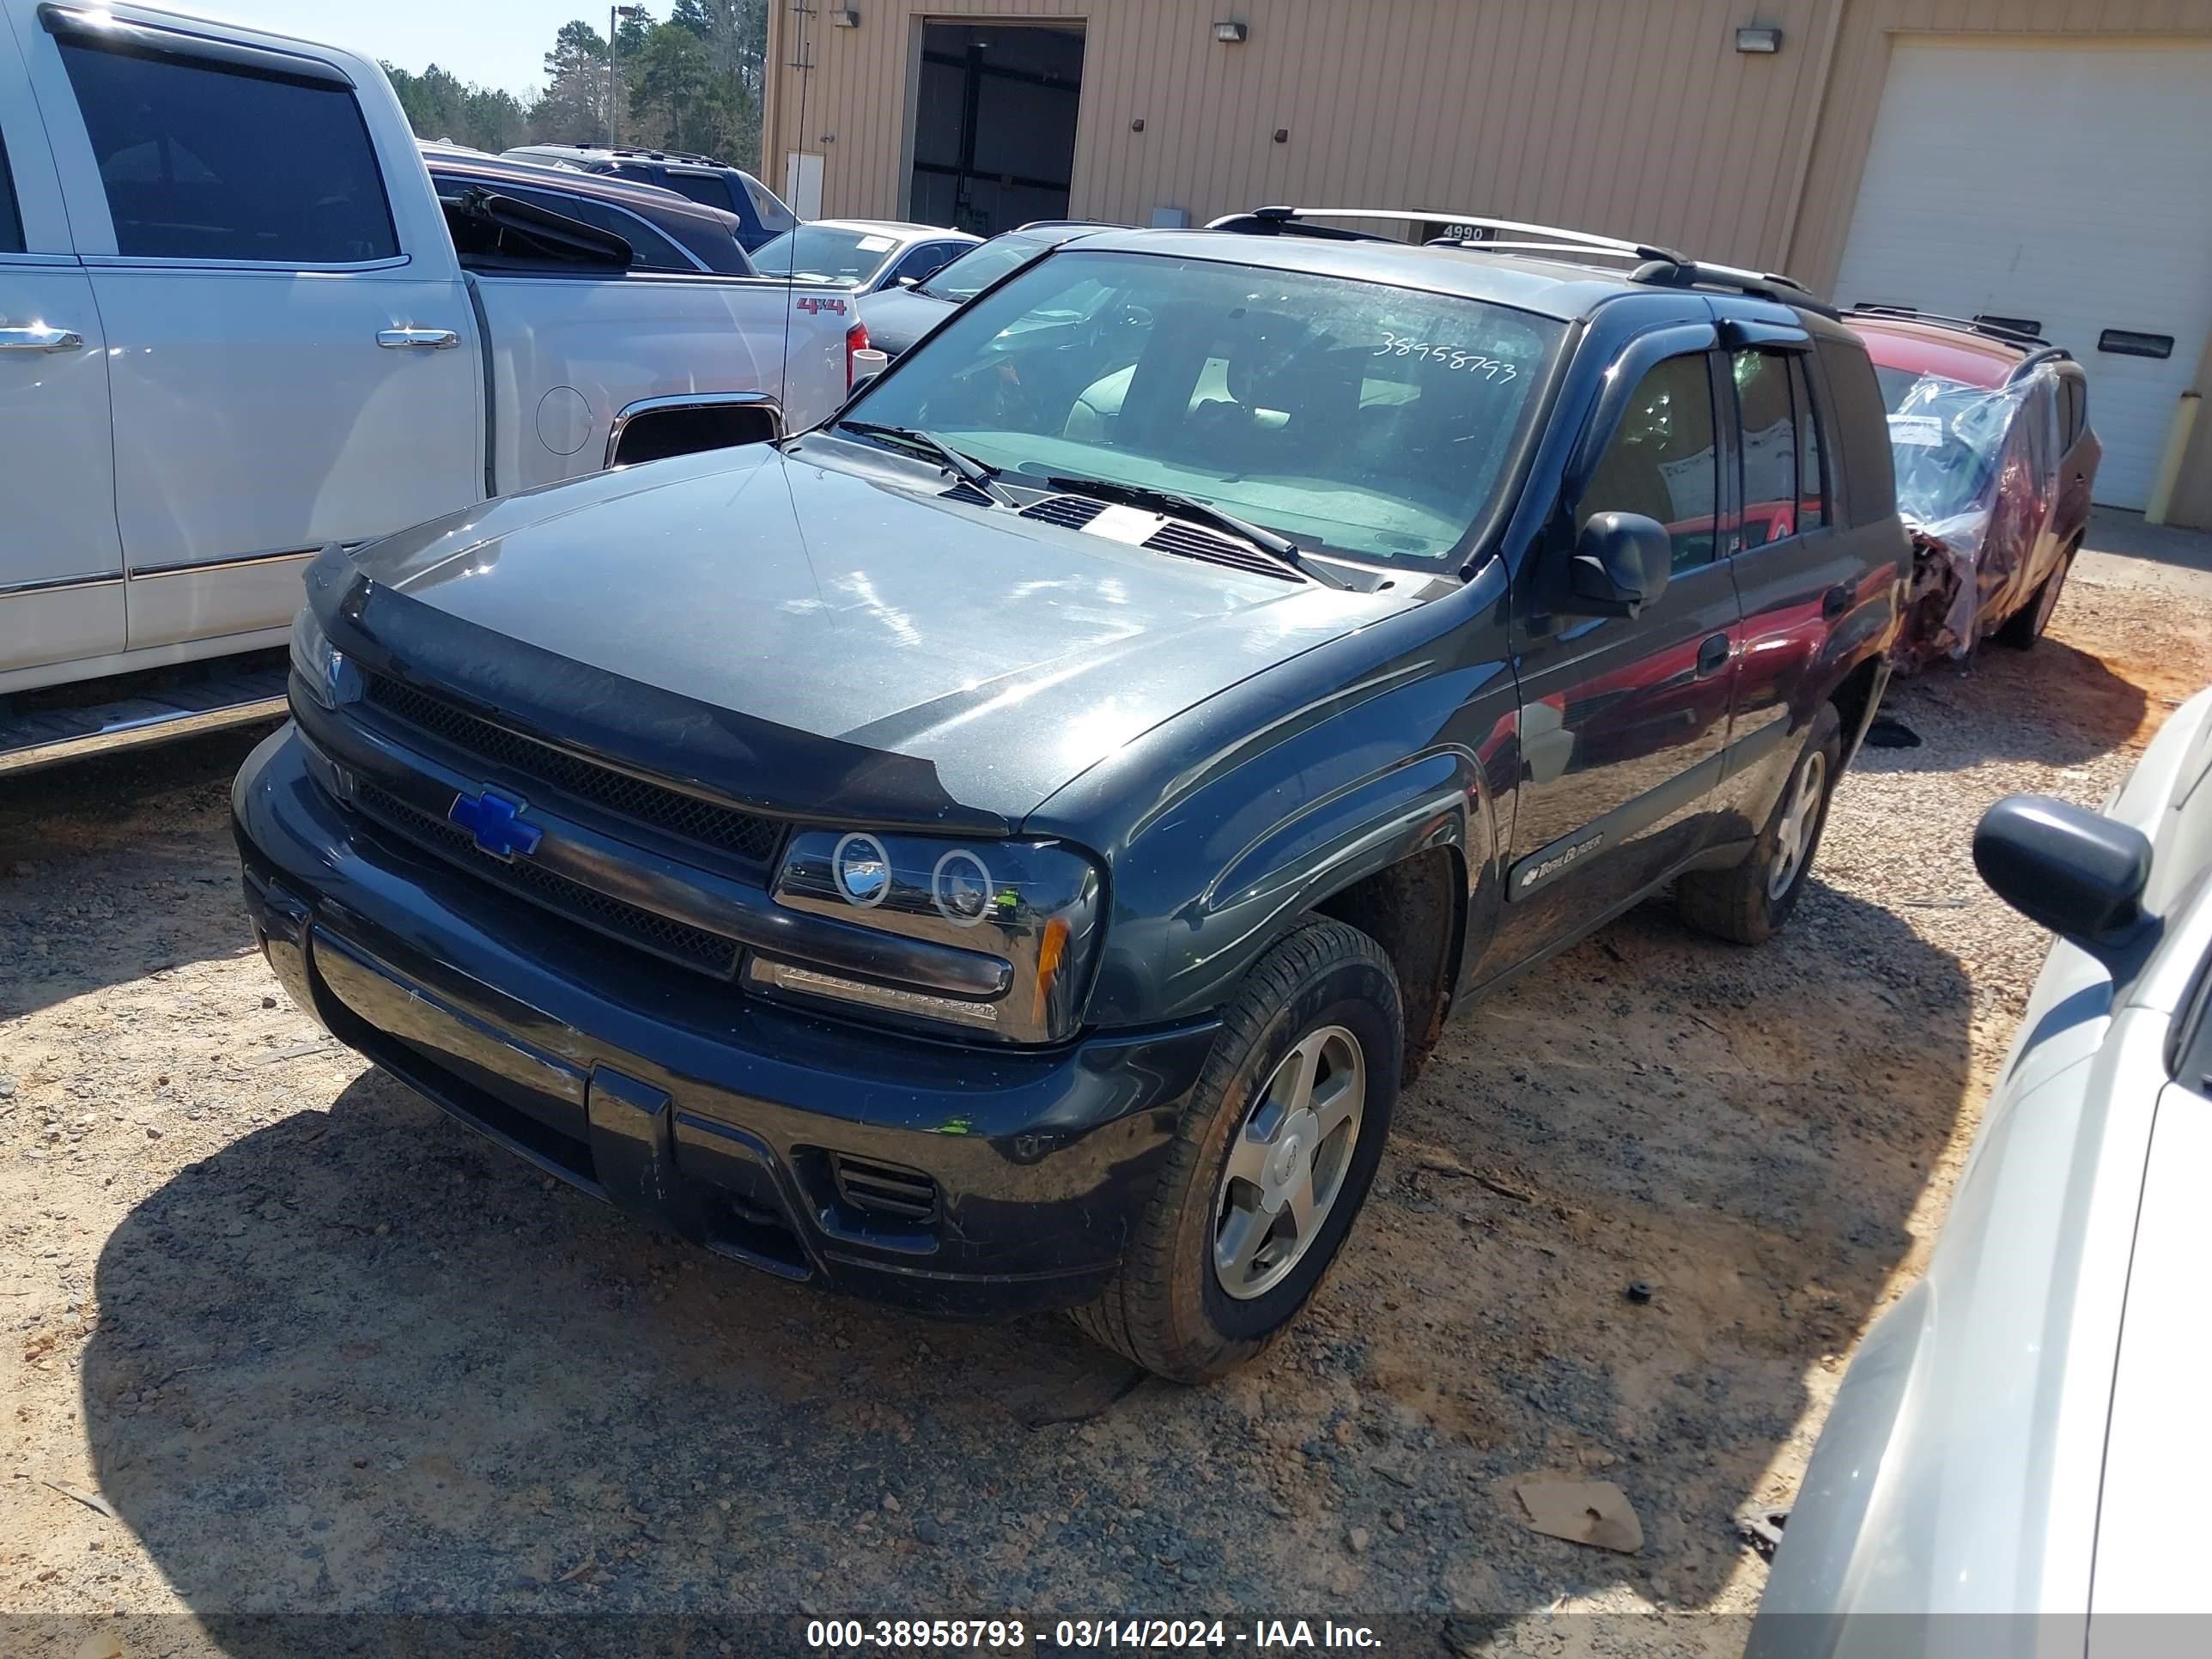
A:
[(1712, 655), (40, 337), (418, 339), (1835, 601)]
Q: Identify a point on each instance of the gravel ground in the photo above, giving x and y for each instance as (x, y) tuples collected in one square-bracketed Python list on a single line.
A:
[(314, 1349)]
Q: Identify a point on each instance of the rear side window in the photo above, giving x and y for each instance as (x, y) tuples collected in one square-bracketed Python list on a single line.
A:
[(774, 217), (1663, 462), (2077, 393), (1812, 454), (1858, 434), (207, 162), (11, 222), (708, 189)]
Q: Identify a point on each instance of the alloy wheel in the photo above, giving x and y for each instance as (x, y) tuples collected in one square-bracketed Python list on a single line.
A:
[(1793, 836), (1287, 1163)]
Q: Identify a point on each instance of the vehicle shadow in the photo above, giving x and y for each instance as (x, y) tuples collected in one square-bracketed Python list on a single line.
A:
[(115, 868), (2057, 704), (362, 1362)]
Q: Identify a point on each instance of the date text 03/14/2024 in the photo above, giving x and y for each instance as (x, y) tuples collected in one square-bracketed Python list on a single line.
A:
[(839, 1636)]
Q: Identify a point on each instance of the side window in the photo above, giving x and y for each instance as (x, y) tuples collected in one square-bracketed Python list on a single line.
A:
[(1663, 462), (774, 217), (11, 222), (636, 172), (706, 188), (1770, 446), (923, 262), (2077, 394), (201, 161), (1811, 450)]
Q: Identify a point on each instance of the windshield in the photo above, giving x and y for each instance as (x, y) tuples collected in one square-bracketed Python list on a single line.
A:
[(977, 268), (1351, 417), (823, 254)]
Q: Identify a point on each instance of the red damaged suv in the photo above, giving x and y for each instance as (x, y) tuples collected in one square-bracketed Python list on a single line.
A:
[(1989, 425)]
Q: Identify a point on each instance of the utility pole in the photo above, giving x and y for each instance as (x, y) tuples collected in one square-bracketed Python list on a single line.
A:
[(615, 14)]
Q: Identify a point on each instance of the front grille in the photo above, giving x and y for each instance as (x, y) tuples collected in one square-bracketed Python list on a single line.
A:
[(744, 835), (883, 1188), (692, 947), (1185, 542)]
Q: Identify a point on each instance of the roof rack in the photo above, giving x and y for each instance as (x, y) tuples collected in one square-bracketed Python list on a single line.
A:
[(1971, 325), (1658, 266)]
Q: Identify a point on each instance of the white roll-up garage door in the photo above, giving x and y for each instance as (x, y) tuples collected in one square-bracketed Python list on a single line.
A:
[(2065, 185)]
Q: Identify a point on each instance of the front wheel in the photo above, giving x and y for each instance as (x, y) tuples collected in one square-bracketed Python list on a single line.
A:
[(1270, 1164), (1749, 903)]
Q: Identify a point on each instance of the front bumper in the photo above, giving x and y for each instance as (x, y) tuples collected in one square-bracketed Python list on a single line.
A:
[(944, 1179)]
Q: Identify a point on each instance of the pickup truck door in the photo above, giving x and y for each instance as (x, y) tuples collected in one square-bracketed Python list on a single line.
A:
[(61, 563), (1624, 719), (291, 354)]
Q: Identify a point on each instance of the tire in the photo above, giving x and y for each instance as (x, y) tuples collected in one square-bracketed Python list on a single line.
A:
[(2025, 626), (1749, 902), (1326, 990)]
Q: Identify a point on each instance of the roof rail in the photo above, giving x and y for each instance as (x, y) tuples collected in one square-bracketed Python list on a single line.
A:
[(1659, 266), (1971, 325), (1759, 284), (1276, 221), (2035, 360)]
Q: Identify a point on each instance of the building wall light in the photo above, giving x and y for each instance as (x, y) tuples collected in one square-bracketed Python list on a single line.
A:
[(1231, 35), (845, 17), (1759, 40)]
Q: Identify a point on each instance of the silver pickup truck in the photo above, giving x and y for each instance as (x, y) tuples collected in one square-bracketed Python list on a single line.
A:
[(240, 320)]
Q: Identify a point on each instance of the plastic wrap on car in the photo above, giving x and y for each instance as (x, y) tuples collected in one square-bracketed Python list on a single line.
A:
[(1976, 485)]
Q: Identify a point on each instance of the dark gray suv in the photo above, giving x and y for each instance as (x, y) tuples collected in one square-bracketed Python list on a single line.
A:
[(1007, 847)]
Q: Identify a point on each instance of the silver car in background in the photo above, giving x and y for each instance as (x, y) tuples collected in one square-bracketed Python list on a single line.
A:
[(2023, 1433)]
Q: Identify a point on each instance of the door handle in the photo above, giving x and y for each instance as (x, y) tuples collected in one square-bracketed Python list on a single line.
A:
[(38, 337), (1835, 601), (418, 339), (1712, 655)]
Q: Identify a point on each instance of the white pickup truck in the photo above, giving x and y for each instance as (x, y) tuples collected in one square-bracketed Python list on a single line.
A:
[(237, 323)]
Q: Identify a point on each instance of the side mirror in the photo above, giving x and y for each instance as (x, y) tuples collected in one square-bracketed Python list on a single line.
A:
[(907, 281), (868, 362), (1621, 563), (2077, 872)]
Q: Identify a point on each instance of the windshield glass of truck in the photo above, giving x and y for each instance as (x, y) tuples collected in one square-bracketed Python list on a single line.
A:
[(1348, 415), (823, 253)]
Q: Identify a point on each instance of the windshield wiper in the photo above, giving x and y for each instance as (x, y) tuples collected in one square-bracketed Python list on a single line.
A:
[(966, 468), (1189, 506)]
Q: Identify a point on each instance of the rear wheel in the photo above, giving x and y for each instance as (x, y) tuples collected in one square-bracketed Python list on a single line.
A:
[(1749, 902), (1270, 1164), (2025, 626)]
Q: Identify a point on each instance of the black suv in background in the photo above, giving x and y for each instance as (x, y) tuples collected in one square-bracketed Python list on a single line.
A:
[(760, 211), (1008, 845)]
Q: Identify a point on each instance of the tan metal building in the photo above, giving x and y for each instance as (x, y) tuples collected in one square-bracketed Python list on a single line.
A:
[(2043, 161)]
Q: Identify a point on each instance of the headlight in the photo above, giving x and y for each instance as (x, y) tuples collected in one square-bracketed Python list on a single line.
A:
[(1036, 906), (321, 666)]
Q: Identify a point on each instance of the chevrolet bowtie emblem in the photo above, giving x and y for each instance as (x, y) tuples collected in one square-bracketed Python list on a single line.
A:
[(496, 823)]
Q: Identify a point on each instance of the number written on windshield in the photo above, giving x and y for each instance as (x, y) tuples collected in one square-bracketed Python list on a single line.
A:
[(1490, 368)]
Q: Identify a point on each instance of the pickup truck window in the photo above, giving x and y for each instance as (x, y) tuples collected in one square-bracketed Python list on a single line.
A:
[(1369, 419), (11, 222), (201, 161), (650, 250)]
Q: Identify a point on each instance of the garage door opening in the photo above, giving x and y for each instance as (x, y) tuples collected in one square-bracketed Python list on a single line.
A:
[(994, 124)]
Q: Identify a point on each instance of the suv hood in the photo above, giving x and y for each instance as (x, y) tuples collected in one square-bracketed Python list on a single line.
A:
[(834, 599)]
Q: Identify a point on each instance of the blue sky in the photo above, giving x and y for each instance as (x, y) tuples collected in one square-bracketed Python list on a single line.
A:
[(499, 43)]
